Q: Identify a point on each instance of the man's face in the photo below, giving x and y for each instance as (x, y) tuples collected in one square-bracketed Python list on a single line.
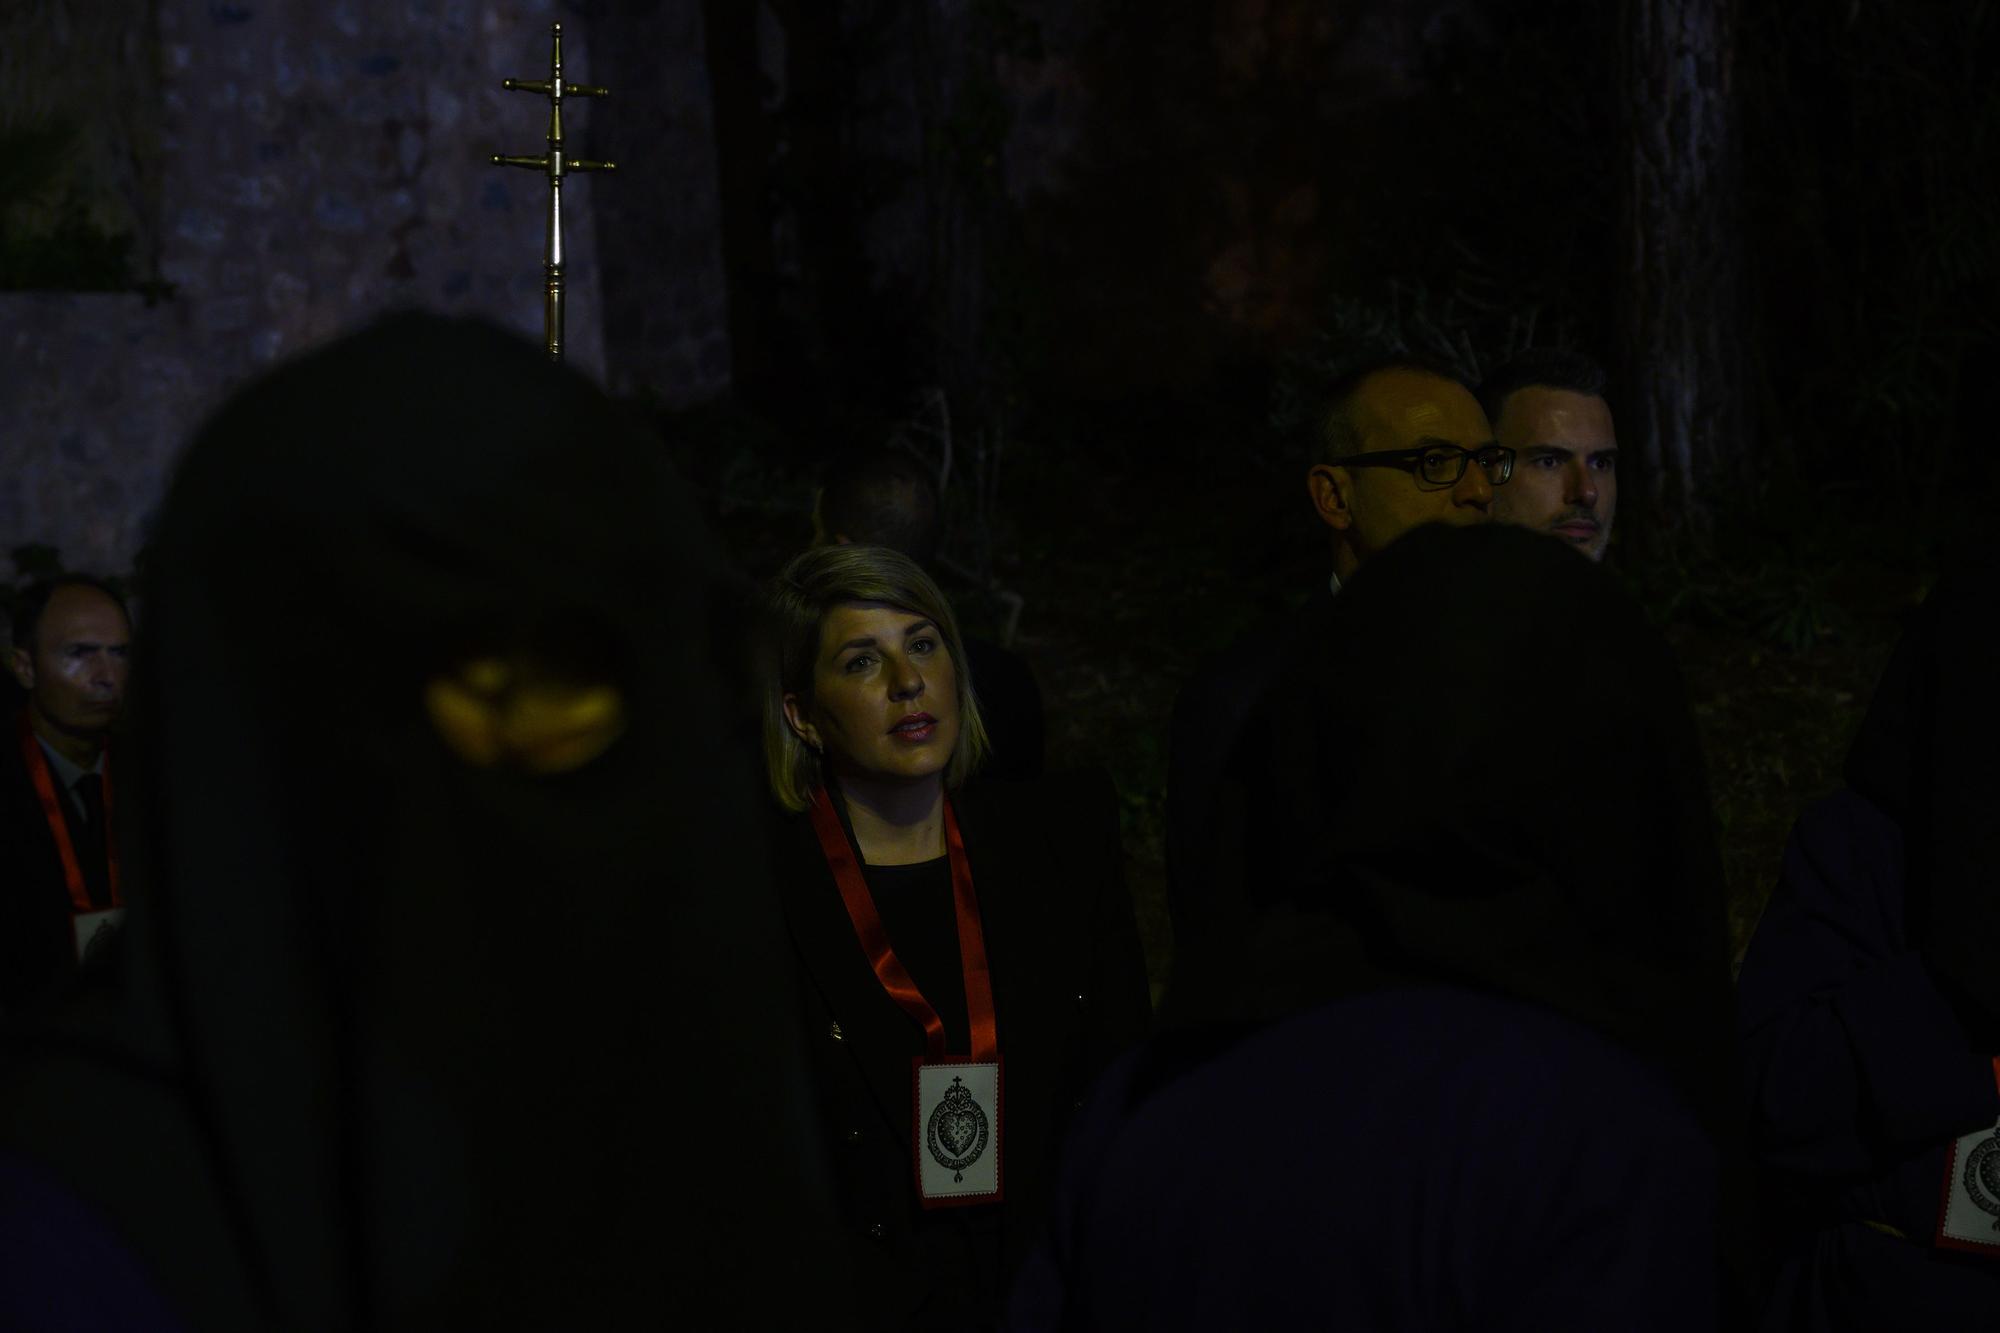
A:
[(75, 671), (1372, 506), (1565, 467)]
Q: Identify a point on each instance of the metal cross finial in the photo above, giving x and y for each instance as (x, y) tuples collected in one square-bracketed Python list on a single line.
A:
[(556, 165)]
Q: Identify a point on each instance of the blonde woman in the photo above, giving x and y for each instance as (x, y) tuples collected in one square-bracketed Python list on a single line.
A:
[(967, 952)]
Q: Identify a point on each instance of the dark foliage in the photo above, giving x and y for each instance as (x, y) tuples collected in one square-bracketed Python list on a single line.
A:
[(71, 252), (1872, 147)]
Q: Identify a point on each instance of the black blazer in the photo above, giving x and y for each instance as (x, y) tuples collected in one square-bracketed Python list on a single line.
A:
[(37, 942), (1011, 703), (1069, 991)]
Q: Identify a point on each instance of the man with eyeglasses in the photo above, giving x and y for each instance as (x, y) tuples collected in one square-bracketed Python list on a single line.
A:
[(1548, 406), (1397, 448), (1396, 443)]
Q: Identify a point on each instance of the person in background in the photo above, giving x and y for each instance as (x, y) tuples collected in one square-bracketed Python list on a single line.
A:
[(945, 933), (1548, 406), (1870, 1003), (1464, 1069), (61, 880), (1396, 443), (879, 497)]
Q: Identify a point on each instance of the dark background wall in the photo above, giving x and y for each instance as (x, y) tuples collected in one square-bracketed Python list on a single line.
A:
[(1071, 251), (1049, 210), (267, 174)]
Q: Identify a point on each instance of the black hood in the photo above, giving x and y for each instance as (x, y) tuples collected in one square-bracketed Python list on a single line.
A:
[(460, 1045), (1928, 753), (1489, 778)]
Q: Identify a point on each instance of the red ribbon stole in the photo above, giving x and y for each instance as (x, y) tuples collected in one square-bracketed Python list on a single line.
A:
[(874, 939), (45, 789)]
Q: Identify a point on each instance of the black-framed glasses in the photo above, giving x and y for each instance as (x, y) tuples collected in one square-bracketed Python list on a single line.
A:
[(1440, 464)]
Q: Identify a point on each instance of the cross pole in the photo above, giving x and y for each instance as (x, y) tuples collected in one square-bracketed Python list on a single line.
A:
[(557, 166)]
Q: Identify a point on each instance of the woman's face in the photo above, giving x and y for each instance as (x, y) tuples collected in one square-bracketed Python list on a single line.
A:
[(884, 700)]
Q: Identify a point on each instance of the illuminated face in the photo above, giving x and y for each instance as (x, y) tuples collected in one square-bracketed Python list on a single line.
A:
[(884, 703), (1565, 468), (513, 711), (75, 675), (1369, 507)]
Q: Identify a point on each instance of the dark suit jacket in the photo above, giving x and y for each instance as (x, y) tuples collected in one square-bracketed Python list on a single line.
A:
[(1011, 704), (37, 944), (1217, 776), (1069, 987)]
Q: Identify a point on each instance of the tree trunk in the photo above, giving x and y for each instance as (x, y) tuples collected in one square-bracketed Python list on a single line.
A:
[(743, 140), (1682, 413), (957, 200)]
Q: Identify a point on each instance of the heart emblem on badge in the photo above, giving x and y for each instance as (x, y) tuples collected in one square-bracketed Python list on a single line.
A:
[(1982, 1178), (958, 1129), (1989, 1176), (956, 1132)]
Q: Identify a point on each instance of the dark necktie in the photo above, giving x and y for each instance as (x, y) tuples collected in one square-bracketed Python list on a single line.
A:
[(90, 794), (90, 854)]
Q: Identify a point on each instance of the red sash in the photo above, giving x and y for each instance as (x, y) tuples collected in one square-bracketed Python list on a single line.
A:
[(45, 788), (874, 939)]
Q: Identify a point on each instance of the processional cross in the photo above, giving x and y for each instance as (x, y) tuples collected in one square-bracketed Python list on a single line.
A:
[(557, 166)]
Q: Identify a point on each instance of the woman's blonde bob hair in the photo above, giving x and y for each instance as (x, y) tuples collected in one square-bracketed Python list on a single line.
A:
[(815, 582)]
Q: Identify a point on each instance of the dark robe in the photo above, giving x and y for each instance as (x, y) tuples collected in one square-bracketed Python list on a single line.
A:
[(1219, 776), (411, 1042), (1406, 1159), (1069, 989), (1867, 1024), (1577, 904), (1861, 1074), (1925, 755)]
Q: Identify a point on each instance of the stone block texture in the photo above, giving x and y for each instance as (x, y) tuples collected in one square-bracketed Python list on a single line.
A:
[(659, 221), (322, 163)]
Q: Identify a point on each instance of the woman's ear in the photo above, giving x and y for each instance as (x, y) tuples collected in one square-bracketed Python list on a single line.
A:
[(795, 717)]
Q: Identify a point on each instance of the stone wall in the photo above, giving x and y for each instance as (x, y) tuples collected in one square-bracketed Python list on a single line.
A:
[(99, 391), (659, 227), (319, 163)]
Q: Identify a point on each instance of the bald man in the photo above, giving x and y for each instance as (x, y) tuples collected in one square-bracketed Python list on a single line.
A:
[(60, 891), (1401, 445), (1397, 443)]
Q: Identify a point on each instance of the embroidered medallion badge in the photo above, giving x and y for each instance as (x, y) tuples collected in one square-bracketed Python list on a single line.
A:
[(1982, 1177), (95, 931), (957, 1132), (1969, 1196)]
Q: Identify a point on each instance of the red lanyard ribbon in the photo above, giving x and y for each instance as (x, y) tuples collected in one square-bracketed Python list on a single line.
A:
[(889, 970), (45, 788)]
